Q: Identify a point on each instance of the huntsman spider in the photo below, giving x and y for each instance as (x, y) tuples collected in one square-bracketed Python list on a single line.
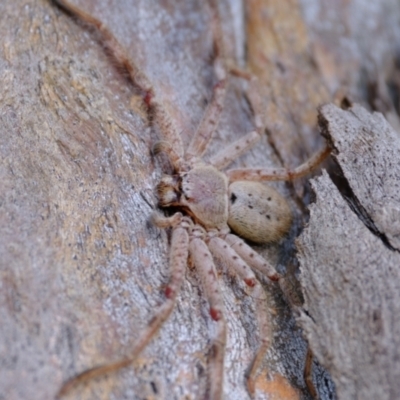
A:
[(213, 213)]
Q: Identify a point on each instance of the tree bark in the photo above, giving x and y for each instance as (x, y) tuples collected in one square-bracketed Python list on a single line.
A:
[(82, 269), (349, 256)]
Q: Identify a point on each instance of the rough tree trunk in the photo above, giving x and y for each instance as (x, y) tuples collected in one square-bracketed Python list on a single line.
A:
[(349, 256), (81, 268)]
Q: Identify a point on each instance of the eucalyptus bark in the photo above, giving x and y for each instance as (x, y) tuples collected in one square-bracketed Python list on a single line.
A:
[(81, 267), (349, 256)]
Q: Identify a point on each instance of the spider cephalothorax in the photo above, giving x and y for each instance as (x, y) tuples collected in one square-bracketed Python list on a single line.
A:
[(202, 192)]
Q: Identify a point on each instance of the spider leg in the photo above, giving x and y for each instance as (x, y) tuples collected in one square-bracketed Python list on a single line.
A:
[(166, 147), (208, 124), (279, 174), (178, 262), (266, 174), (251, 257), (221, 250), (161, 221), (203, 135), (115, 50), (168, 129), (226, 156), (204, 263)]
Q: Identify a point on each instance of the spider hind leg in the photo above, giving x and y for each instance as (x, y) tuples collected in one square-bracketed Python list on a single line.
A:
[(224, 252)]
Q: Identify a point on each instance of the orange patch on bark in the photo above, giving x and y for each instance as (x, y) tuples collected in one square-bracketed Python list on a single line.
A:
[(278, 388)]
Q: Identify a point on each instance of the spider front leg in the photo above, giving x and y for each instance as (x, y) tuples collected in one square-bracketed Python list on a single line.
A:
[(138, 78), (178, 262), (115, 50), (174, 158)]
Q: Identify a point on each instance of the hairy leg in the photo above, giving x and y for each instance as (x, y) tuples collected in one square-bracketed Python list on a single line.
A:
[(178, 262), (251, 257), (268, 174), (279, 174), (115, 50), (166, 147), (204, 263), (229, 154), (208, 124), (221, 250), (168, 130)]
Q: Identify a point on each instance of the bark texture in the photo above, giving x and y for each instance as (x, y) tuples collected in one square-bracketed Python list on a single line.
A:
[(349, 257), (81, 267)]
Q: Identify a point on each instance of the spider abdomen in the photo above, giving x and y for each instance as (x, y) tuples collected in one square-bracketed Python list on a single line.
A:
[(258, 212)]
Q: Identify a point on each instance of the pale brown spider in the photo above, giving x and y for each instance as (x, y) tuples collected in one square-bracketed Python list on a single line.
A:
[(209, 205)]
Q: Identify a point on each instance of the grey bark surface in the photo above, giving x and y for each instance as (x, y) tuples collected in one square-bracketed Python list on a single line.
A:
[(81, 268), (349, 257), (367, 149)]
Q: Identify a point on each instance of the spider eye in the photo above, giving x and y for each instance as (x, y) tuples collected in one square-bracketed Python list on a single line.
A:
[(233, 198)]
